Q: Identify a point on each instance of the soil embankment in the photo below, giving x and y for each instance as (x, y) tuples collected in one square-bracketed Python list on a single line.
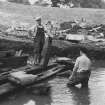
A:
[(59, 47)]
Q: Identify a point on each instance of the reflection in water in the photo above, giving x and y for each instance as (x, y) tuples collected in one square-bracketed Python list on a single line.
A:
[(80, 96), (25, 98), (37, 100), (45, 100)]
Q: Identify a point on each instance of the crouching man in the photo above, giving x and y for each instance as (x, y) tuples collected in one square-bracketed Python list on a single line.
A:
[(81, 71)]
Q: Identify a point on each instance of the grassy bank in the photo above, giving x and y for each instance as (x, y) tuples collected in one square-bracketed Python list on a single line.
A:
[(10, 12)]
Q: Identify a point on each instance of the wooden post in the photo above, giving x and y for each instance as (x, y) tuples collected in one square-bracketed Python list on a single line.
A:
[(46, 52)]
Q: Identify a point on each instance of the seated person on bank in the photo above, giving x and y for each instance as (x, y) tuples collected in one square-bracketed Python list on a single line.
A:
[(81, 71)]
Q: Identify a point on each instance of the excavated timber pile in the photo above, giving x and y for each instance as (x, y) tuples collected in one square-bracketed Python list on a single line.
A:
[(12, 42), (59, 47), (96, 49)]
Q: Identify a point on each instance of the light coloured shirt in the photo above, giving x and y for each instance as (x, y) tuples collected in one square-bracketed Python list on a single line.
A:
[(83, 63), (49, 30), (34, 29)]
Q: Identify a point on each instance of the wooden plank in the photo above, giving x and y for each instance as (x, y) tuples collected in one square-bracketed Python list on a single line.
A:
[(13, 62), (7, 53), (27, 69), (66, 73), (46, 52), (35, 69), (69, 63), (9, 87), (38, 77)]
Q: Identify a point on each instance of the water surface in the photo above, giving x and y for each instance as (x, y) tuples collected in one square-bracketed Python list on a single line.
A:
[(62, 95)]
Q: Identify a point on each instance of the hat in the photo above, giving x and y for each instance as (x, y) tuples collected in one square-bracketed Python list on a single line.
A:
[(38, 18)]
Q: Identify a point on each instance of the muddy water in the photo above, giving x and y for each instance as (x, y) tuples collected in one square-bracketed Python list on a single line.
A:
[(62, 95)]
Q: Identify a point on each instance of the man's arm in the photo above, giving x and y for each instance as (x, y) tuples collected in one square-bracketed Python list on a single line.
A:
[(75, 69), (48, 32), (33, 30)]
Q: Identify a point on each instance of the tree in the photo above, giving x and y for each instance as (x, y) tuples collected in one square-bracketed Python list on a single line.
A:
[(90, 3), (55, 3)]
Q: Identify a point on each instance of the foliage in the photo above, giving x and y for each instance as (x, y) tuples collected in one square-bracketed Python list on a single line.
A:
[(20, 1), (82, 3)]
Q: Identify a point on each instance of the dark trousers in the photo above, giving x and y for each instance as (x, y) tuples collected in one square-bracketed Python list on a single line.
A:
[(80, 78)]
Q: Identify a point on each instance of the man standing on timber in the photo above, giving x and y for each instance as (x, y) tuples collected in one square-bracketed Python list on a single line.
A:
[(81, 71), (39, 39), (48, 43)]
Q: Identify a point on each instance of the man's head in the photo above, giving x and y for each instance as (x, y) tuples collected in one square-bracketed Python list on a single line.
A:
[(83, 51), (49, 22), (38, 20)]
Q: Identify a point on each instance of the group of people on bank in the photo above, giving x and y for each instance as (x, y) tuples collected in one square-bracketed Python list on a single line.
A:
[(82, 68)]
